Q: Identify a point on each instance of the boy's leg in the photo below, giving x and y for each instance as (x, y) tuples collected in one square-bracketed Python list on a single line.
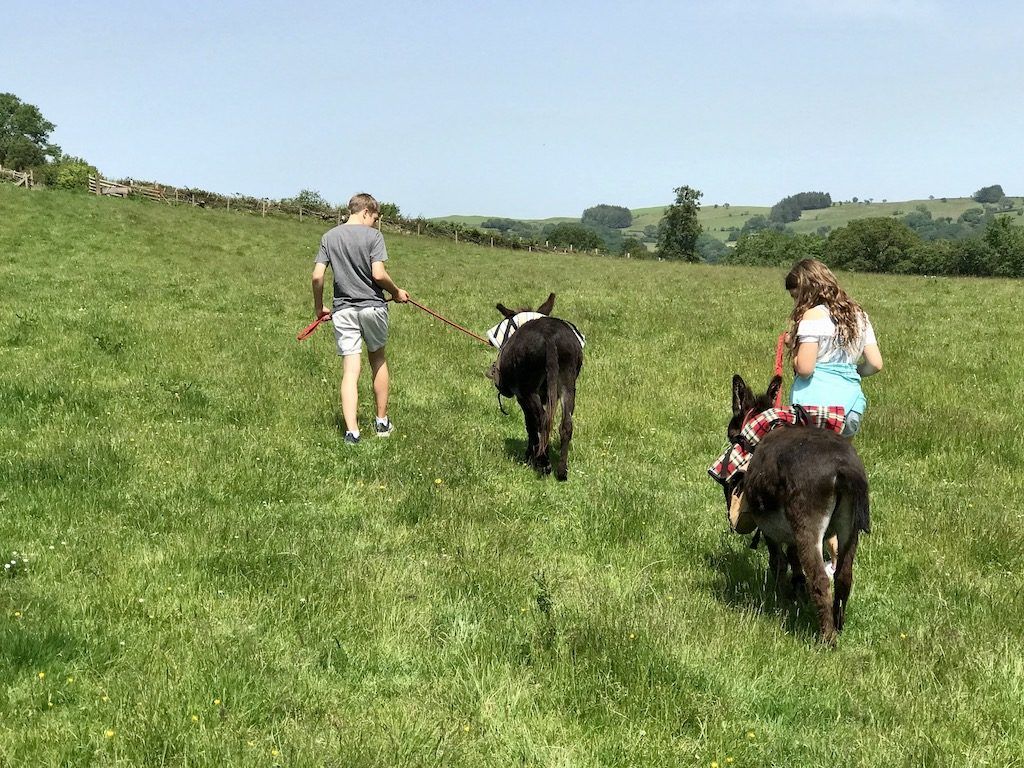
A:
[(381, 381), (350, 347), (373, 323), (350, 365)]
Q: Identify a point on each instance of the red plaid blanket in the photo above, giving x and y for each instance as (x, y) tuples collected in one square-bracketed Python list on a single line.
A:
[(737, 455)]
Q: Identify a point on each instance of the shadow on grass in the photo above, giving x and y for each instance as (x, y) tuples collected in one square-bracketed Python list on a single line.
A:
[(740, 579), (515, 449)]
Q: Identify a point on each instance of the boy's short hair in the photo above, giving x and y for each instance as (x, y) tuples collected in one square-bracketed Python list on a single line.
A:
[(363, 201)]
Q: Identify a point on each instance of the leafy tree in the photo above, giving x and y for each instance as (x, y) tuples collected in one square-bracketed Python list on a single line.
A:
[(633, 247), (310, 200), (679, 227), (870, 245), (578, 237), (711, 249), (991, 194), (1007, 244), (390, 211), (754, 224), (769, 247), (24, 134), (608, 216), (502, 225), (789, 208), (972, 216)]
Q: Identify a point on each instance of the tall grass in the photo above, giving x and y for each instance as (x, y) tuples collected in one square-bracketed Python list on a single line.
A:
[(213, 578)]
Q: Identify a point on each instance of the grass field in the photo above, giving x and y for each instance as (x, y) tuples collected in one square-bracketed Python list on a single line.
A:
[(718, 221), (213, 579)]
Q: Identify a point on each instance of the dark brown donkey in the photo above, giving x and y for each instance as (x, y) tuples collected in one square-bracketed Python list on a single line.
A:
[(538, 362), (803, 484)]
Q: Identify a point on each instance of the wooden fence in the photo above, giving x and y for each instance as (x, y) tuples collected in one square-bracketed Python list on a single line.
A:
[(263, 207), (21, 178)]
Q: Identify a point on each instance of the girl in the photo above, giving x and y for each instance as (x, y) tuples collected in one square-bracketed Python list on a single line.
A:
[(832, 343)]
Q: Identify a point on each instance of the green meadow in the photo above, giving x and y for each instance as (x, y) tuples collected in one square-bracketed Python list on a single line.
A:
[(204, 575)]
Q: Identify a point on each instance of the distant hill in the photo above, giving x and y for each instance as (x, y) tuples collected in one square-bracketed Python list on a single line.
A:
[(718, 221)]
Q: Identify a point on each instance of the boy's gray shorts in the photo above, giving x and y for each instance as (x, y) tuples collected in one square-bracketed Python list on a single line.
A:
[(352, 325)]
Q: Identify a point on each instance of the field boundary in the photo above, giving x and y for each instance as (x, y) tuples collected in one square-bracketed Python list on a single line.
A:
[(21, 178)]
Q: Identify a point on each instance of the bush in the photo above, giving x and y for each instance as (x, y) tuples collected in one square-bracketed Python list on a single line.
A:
[(66, 173)]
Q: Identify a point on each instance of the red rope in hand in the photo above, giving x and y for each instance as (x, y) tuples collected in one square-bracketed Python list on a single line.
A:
[(779, 350), (306, 332)]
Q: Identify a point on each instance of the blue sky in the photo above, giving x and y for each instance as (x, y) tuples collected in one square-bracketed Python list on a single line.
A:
[(532, 109)]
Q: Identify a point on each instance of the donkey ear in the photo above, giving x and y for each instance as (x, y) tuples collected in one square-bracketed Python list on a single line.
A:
[(740, 393), (773, 388), (504, 310), (547, 306)]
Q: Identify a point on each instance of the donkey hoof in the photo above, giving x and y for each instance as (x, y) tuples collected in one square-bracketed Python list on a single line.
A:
[(562, 475)]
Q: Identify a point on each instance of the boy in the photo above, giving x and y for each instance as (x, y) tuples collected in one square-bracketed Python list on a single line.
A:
[(356, 254)]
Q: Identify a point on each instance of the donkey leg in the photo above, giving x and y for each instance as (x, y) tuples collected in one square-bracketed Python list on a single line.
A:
[(776, 565), (797, 578), (844, 581), (526, 402), (565, 432), (538, 440), (808, 545)]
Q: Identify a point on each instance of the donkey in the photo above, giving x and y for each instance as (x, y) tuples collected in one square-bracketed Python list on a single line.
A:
[(803, 484), (538, 362)]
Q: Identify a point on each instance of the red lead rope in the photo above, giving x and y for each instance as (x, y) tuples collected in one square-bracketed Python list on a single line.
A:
[(779, 350), (306, 332)]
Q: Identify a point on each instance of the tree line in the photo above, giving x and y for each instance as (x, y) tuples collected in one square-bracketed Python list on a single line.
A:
[(994, 248)]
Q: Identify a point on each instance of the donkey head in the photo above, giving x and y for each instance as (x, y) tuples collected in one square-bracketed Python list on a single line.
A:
[(746, 404), (543, 309)]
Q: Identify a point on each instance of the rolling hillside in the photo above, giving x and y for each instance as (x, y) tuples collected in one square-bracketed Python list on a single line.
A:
[(718, 221)]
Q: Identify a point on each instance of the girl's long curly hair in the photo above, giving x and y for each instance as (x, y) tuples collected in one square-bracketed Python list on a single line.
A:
[(815, 284)]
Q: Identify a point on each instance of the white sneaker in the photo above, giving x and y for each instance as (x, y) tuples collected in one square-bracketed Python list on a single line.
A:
[(384, 428)]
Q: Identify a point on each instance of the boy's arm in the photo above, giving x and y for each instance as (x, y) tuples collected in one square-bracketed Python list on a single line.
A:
[(319, 308), (383, 279)]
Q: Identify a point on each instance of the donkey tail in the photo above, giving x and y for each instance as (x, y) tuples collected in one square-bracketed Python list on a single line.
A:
[(551, 374), (857, 487)]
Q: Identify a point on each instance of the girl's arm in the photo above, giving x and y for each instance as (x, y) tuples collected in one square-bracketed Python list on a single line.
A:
[(805, 358), (871, 363), (806, 354)]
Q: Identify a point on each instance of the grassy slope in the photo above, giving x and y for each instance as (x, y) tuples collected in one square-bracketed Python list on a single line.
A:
[(717, 221), (215, 580)]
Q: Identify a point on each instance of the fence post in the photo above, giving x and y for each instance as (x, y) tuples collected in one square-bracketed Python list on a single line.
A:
[(338, 216), (456, 235), (175, 194), (417, 227), (492, 242), (264, 208)]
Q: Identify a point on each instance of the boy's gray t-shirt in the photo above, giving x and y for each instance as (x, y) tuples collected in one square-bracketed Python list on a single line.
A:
[(351, 249)]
